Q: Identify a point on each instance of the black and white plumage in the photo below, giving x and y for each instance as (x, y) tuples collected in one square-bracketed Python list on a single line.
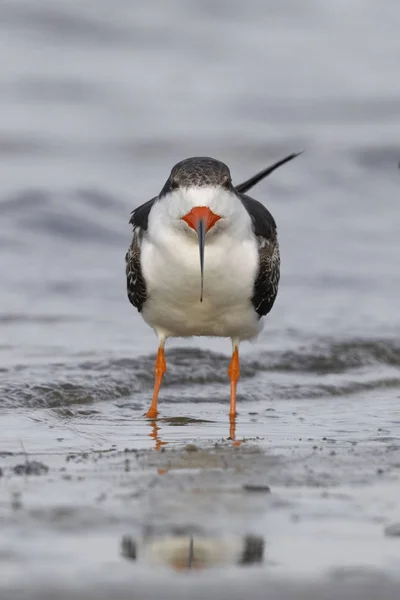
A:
[(183, 549), (234, 284), (264, 227)]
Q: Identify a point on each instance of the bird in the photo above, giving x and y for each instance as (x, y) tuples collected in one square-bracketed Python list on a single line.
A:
[(190, 548), (204, 261)]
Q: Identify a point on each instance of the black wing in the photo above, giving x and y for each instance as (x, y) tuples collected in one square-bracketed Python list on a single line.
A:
[(136, 284), (249, 183), (266, 284), (140, 216)]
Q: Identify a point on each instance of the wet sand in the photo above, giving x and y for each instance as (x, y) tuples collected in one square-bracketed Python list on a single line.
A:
[(322, 506)]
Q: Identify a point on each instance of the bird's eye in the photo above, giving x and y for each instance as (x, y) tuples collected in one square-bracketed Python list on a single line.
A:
[(226, 182), (174, 184)]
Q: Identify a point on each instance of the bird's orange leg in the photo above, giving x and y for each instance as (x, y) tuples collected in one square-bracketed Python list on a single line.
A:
[(232, 428), (234, 374), (160, 369)]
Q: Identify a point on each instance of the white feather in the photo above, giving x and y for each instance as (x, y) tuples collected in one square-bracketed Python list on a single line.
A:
[(171, 267)]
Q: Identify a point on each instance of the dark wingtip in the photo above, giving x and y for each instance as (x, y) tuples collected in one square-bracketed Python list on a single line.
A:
[(244, 187)]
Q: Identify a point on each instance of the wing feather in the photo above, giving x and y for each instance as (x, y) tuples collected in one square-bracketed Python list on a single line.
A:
[(267, 281)]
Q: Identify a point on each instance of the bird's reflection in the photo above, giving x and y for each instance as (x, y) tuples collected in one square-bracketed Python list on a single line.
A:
[(232, 431), (159, 443), (155, 435), (184, 552)]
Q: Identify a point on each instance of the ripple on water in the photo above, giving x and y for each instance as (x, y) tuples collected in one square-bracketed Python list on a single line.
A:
[(328, 369)]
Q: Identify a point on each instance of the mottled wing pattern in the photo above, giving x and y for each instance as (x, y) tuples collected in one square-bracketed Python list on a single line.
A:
[(136, 284), (266, 284)]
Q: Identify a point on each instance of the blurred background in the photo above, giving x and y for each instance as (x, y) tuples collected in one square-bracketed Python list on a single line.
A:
[(99, 99)]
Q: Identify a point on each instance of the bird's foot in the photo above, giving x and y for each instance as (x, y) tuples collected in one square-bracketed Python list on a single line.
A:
[(152, 413)]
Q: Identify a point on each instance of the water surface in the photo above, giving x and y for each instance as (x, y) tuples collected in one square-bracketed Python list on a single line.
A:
[(98, 100)]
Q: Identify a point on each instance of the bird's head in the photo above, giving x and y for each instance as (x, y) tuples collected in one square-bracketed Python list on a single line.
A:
[(199, 200), (199, 192)]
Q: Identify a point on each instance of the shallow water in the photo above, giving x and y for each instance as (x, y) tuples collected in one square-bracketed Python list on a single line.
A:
[(98, 101)]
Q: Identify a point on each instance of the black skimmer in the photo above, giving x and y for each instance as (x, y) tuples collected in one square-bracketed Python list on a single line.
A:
[(184, 549), (204, 260)]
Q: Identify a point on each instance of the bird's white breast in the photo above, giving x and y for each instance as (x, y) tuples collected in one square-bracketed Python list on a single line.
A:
[(171, 268)]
